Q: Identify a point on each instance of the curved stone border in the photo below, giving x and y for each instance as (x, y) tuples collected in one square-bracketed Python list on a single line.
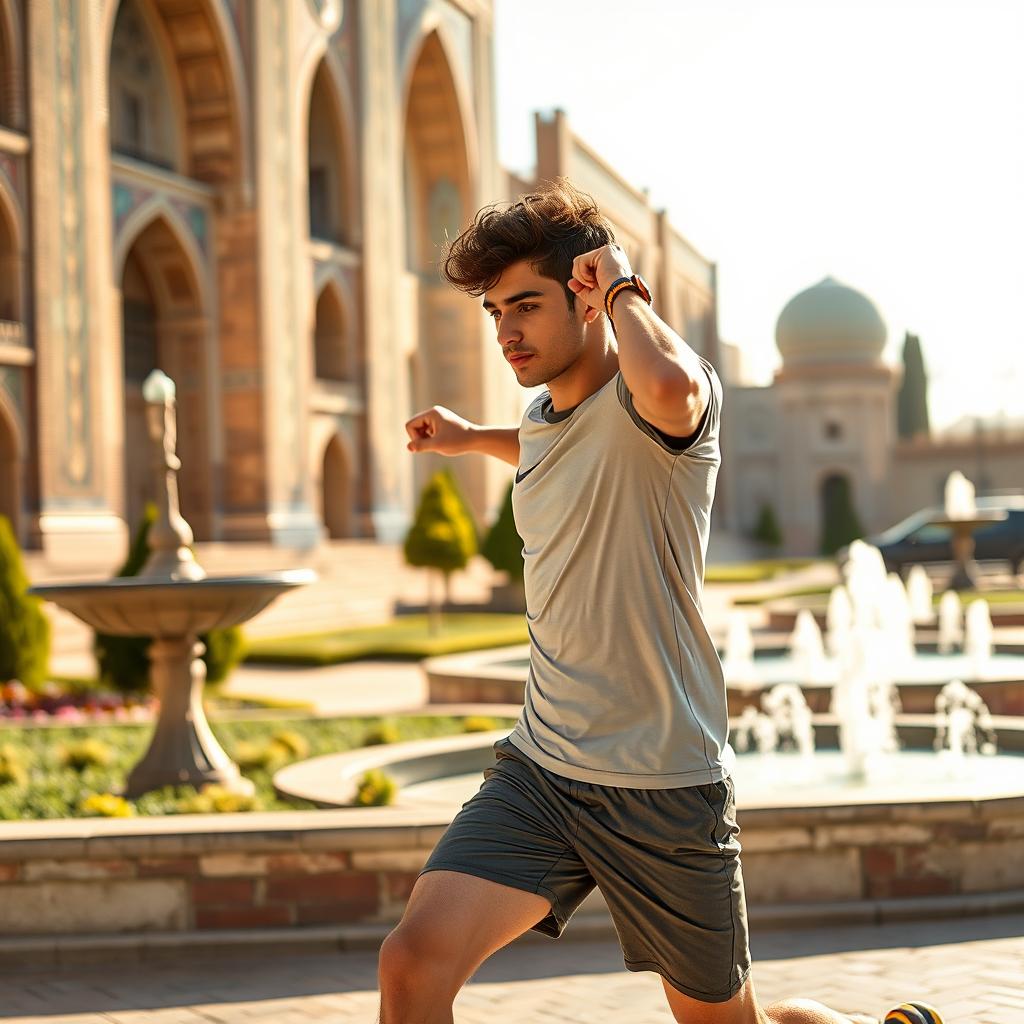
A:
[(474, 677), (331, 780)]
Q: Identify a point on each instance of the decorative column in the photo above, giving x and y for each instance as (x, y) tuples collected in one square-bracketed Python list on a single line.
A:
[(386, 316), (80, 471), (284, 333)]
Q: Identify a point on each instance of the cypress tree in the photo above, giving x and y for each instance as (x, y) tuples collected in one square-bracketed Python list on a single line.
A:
[(912, 402), (503, 547), (24, 627), (442, 536)]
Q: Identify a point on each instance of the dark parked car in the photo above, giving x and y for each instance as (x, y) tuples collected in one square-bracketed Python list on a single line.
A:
[(916, 540)]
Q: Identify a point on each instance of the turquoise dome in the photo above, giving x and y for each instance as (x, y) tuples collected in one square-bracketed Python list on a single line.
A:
[(830, 323)]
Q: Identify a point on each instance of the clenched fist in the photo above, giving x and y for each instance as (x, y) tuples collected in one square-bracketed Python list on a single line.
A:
[(439, 430), (594, 272)]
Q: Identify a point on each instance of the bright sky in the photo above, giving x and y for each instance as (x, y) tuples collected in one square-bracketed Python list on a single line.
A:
[(879, 141)]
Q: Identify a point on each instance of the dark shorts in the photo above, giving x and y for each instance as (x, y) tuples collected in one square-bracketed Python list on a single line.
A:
[(665, 860)]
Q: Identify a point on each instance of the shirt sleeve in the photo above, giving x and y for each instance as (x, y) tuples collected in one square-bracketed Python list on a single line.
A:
[(702, 444)]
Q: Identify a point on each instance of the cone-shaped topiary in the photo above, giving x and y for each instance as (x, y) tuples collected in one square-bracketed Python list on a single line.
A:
[(841, 523), (442, 536), (124, 660), (24, 627), (767, 529), (503, 547)]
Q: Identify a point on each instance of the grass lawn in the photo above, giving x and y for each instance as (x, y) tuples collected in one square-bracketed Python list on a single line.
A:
[(754, 572), (37, 782), (406, 637)]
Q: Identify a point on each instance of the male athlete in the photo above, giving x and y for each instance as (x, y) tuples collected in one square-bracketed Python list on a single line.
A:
[(617, 772)]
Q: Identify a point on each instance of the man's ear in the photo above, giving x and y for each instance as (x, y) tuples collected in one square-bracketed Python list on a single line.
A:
[(591, 314)]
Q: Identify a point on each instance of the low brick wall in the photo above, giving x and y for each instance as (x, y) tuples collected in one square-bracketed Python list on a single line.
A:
[(210, 872), (300, 870)]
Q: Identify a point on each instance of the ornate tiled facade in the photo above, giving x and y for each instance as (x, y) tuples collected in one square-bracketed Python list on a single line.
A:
[(252, 196)]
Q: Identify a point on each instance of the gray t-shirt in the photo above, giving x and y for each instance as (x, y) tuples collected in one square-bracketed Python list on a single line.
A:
[(625, 687)]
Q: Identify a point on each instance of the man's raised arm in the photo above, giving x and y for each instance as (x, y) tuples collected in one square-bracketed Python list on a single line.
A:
[(443, 431)]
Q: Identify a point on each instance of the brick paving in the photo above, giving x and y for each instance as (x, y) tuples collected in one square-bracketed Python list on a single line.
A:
[(971, 968)]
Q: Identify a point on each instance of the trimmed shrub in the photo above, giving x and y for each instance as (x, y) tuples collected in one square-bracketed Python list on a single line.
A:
[(86, 753), (767, 529), (293, 745), (214, 799), (12, 766), (106, 805), (24, 627), (375, 789), (443, 534), (124, 660), (503, 547), (225, 648), (249, 755), (841, 523), (386, 733), (479, 723)]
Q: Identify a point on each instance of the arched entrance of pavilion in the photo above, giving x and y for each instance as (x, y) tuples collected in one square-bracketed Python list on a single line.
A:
[(12, 34), (440, 191), (164, 326), (336, 497), (839, 522), (10, 261)]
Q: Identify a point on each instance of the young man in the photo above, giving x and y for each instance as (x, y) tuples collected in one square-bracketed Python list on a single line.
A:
[(617, 773)]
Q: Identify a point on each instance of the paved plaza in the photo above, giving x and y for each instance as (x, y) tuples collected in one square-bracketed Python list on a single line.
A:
[(972, 969)]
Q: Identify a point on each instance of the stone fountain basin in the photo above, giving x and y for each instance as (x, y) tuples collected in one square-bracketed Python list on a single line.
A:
[(447, 771), (133, 606)]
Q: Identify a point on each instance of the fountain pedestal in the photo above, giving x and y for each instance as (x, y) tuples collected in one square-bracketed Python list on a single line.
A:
[(183, 750)]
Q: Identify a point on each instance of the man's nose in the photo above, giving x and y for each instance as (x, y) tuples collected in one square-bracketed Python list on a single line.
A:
[(508, 333)]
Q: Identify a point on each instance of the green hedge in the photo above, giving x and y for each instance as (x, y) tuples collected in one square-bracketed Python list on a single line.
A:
[(24, 627)]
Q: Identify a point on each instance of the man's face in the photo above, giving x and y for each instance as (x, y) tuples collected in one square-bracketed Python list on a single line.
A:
[(532, 318)]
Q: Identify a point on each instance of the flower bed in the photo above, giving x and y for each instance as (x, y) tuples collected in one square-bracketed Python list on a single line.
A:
[(76, 772)]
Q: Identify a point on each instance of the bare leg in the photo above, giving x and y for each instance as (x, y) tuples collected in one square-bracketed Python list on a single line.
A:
[(452, 923), (743, 1008)]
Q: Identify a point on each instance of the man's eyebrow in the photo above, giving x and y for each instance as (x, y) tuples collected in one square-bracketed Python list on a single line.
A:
[(518, 297)]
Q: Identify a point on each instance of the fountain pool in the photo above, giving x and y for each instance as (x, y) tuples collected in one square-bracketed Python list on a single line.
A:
[(783, 780)]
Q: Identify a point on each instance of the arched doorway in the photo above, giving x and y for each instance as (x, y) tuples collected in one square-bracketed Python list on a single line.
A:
[(176, 92), (332, 358), (164, 328), (839, 522), (145, 103), (336, 497), (327, 169), (10, 476), (10, 268), (11, 29)]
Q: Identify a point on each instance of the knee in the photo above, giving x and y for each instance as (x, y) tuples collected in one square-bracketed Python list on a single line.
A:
[(413, 961)]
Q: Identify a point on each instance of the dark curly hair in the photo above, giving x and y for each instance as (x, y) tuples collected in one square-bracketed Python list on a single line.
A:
[(548, 228)]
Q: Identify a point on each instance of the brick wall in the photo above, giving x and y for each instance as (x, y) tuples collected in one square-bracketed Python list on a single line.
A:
[(305, 869)]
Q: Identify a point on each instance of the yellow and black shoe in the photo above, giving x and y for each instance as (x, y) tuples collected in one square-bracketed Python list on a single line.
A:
[(913, 1013)]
